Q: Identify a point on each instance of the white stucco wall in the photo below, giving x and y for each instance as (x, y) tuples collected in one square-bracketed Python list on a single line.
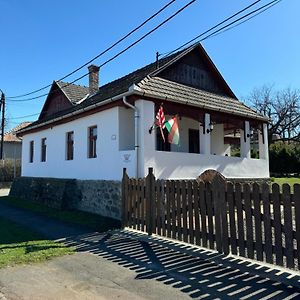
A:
[(190, 165), (111, 159), (126, 128), (107, 165)]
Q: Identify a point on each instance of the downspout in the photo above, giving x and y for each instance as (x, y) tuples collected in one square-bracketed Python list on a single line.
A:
[(136, 143)]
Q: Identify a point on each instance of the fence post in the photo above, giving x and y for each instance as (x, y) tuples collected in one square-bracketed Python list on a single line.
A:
[(124, 192), (150, 181), (220, 211)]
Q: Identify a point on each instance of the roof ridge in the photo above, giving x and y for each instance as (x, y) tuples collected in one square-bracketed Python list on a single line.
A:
[(70, 83)]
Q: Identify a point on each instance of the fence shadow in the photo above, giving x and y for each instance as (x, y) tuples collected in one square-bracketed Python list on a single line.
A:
[(196, 272)]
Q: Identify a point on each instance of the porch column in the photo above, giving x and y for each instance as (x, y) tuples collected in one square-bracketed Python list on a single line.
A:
[(245, 141), (263, 142), (205, 136), (146, 141)]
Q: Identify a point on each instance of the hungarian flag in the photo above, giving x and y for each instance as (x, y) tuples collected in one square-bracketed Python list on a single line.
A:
[(160, 121), (172, 127)]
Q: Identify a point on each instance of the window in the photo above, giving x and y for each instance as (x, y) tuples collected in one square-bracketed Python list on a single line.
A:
[(43, 149), (194, 141), (92, 142), (70, 145), (160, 144), (31, 149)]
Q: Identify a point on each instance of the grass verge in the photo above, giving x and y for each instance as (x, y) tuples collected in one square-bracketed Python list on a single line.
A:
[(92, 221), (19, 245), (290, 180)]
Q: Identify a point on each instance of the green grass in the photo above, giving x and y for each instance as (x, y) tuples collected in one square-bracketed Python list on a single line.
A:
[(92, 221), (19, 245), (290, 180)]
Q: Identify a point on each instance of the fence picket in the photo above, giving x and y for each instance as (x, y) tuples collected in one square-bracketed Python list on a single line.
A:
[(297, 219), (232, 222), (257, 222), (288, 227), (173, 208), (124, 198), (190, 211), (163, 207), (196, 212), (277, 224), (240, 219), (158, 207), (178, 210), (184, 210), (209, 210), (168, 210), (249, 223), (203, 213), (267, 222)]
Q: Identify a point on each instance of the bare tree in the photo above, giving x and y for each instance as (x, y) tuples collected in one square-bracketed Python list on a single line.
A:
[(283, 109)]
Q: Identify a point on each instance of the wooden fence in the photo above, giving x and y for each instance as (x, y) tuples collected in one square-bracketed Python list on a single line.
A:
[(256, 221)]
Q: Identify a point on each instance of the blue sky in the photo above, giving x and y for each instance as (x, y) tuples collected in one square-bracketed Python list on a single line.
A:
[(42, 41)]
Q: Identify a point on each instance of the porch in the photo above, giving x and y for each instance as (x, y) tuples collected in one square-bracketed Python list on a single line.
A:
[(235, 146)]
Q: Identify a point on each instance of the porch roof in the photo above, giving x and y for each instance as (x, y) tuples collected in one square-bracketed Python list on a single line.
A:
[(158, 87)]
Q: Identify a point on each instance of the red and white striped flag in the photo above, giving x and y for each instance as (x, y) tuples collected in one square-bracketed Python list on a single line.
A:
[(160, 121)]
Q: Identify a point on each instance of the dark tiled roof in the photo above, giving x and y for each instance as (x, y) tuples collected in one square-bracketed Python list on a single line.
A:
[(121, 85), (74, 93), (161, 88), (113, 88), (11, 136)]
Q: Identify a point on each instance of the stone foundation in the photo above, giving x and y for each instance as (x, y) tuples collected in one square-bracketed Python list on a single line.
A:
[(101, 197)]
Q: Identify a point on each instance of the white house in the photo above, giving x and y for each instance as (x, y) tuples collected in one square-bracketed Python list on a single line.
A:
[(93, 133)]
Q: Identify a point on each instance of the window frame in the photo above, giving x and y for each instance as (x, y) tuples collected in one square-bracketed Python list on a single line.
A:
[(70, 145), (92, 141), (31, 151), (43, 149)]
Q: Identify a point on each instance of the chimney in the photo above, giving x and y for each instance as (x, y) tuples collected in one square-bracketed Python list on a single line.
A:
[(93, 79)]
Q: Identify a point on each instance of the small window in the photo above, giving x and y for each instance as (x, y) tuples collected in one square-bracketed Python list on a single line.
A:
[(92, 142), (31, 151), (70, 145), (43, 149), (194, 141)]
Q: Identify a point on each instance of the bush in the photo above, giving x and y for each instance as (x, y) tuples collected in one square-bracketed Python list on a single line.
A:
[(284, 158), (7, 169)]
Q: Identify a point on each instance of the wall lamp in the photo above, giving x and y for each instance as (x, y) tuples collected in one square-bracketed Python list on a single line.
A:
[(211, 128), (251, 133)]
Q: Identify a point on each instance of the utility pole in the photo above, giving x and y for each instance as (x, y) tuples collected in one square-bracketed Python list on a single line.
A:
[(2, 123)]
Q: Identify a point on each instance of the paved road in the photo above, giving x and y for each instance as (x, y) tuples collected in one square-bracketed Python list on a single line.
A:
[(126, 265)]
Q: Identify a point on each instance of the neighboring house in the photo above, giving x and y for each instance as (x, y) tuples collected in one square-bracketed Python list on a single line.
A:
[(94, 133), (12, 145)]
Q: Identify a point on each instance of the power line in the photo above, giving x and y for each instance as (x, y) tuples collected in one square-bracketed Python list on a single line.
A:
[(251, 17), (221, 30), (101, 53), (210, 29), (255, 12), (115, 56)]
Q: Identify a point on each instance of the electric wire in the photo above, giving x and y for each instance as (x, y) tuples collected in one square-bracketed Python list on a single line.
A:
[(259, 10), (115, 56), (219, 31), (101, 53)]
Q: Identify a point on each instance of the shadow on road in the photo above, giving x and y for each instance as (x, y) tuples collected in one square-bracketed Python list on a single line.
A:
[(199, 273)]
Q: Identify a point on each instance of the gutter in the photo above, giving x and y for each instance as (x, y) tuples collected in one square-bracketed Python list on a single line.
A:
[(136, 142)]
